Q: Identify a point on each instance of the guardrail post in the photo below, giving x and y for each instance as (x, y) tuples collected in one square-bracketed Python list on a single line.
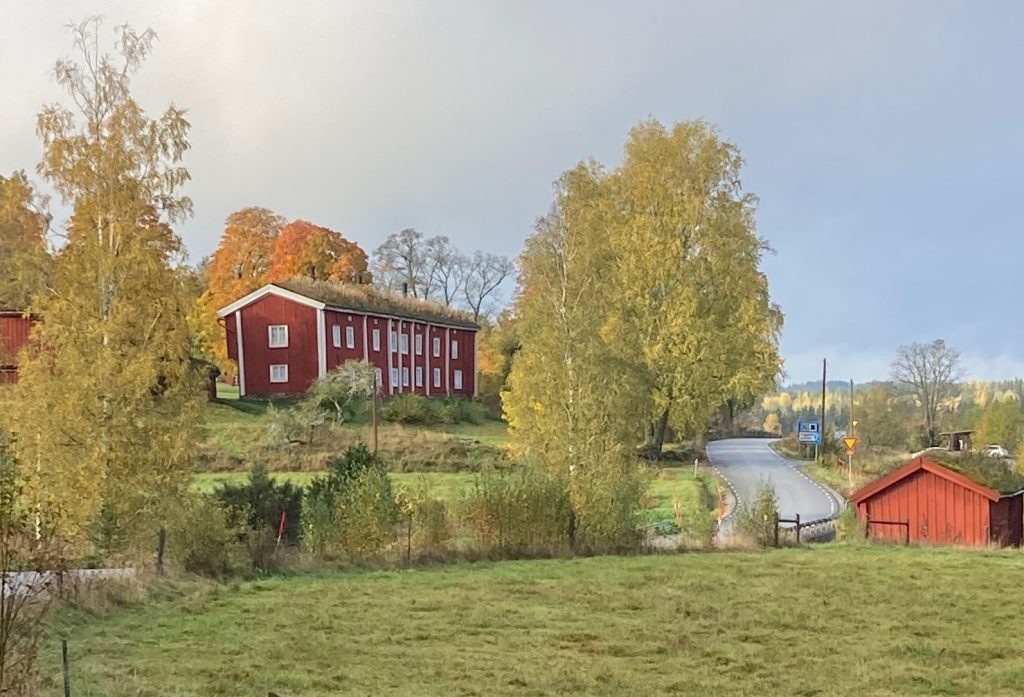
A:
[(775, 531), (797, 516)]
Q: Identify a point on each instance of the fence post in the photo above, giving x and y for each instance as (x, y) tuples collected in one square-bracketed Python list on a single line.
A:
[(797, 528), (67, 667), (408, 542), (867, 526), (775, 530), (906, 528), (161, 545)]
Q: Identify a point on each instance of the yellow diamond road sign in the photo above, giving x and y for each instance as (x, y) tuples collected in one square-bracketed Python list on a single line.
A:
[(850, 444)]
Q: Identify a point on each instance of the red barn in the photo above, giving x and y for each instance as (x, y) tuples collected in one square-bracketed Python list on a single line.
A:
[(939, 505), (286, 335), (14, 332)]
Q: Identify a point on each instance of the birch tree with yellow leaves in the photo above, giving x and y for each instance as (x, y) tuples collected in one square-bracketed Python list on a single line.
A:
[(641, 299), (106, 410), (691, 310), (571, 405)]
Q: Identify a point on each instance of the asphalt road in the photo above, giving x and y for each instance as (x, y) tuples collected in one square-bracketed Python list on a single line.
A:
[(747, 462)]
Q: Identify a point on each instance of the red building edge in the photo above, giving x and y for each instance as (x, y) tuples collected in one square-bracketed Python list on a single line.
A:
[(15, 328), (283, 341), (924, 501)]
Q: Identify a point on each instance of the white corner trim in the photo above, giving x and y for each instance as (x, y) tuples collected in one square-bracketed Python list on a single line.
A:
[(241, 355), (476, 370), (426, 358), (321, 342), (366, 346), (391, 360), (447, 367), (269, 289)]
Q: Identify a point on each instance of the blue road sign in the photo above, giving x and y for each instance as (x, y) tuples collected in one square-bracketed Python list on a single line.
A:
[(808, 432)]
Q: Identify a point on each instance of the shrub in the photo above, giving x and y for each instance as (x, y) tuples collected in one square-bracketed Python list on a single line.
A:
[(607, 502), (258, 504), (202, 540), (367, 515), (408, 409), (848, 526), (292, 425), (519, 513), (756, 520), (352, 510), (431, 530), (697, 517), (428, 527), (417, 409), (343, 393)]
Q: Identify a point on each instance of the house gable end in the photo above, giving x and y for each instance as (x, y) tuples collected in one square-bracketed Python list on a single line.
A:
[(269, 289)]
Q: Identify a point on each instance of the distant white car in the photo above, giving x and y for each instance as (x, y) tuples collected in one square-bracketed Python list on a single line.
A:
[(996, 451)]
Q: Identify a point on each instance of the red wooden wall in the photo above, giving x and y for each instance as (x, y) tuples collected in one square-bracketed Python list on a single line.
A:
[(939, 510), (300, 355), (1008, 520), (14, 333)]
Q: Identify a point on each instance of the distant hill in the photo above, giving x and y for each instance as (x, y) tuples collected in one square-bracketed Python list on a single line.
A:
[(830, 385), (816, 386)]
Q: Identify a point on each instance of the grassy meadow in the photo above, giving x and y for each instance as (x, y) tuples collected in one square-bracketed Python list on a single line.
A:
[(666, 484), (830, 620), (233, 431)]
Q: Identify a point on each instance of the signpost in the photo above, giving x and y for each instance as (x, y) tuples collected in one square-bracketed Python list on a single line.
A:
[(808, 432), (850, 443)]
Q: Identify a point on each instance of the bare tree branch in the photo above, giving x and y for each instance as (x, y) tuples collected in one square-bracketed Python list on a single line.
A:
[(929, 373)]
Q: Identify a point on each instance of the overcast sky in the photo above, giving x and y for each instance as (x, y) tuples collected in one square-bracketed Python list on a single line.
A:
[(884, 139)]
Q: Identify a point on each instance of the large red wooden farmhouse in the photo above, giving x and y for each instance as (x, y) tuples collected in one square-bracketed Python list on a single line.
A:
[(14, 330), (286, 335)]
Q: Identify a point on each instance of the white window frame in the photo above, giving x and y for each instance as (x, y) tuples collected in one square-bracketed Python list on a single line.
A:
[(380, 379), (350, 337), (405, 376), (394, 377), (437, 347), (394, 340), (376, 339), (455, 350), (419, 376), (270, 336), (458, 380), (336, 335), (403, 343), (279, 380), (419, 344), (437, 377)]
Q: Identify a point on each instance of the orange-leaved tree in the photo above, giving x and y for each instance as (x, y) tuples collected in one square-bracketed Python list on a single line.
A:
[(313, 251), (239, 266)]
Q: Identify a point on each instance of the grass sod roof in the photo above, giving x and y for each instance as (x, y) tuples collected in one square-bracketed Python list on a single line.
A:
[(992, 472), (363, 298)]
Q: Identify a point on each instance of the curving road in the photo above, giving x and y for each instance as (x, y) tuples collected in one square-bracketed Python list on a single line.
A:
[(746, 462)]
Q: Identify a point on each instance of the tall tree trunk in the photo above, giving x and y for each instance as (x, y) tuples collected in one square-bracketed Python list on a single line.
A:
[(659, 433)]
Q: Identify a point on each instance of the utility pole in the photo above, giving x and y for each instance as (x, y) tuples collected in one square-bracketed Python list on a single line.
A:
[(821, 427), (373, 397), (849, 452)]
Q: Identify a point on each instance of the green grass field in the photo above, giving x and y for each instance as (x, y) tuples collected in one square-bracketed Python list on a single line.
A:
[(835, 620), (442, 485)]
